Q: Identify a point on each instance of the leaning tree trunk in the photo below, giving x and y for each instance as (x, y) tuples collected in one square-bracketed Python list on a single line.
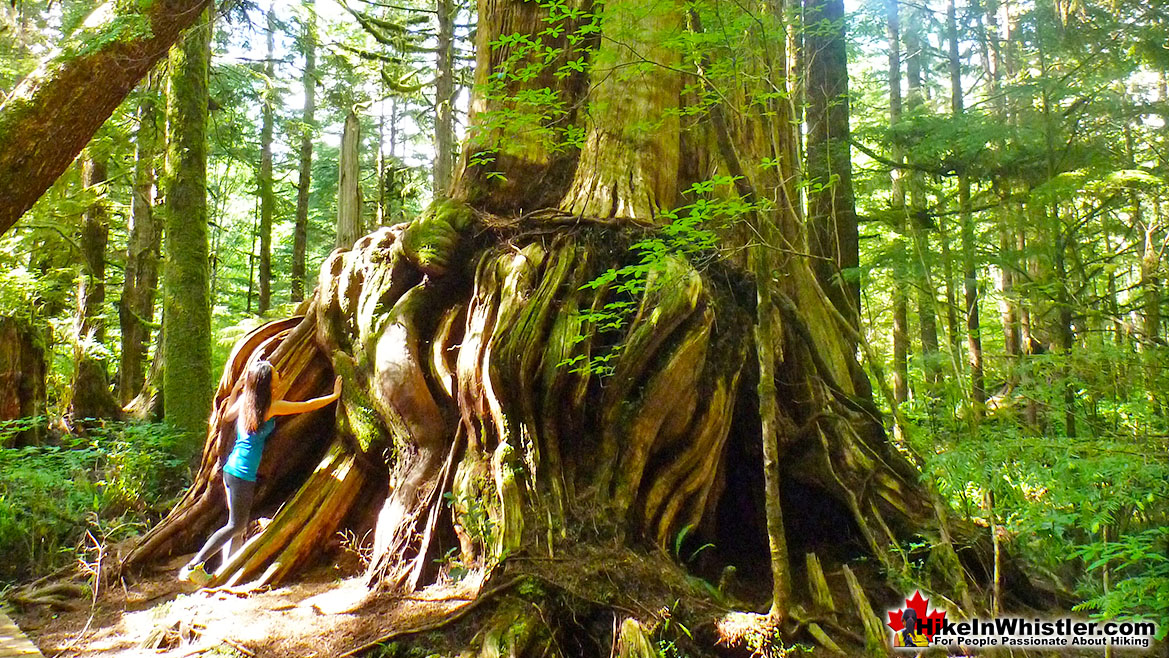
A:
[(515, 401), (54, 112)]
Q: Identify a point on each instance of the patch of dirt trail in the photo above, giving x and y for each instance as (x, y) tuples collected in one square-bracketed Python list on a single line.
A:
[(321, 615)]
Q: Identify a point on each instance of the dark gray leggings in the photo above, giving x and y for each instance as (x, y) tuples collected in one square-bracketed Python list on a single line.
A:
[(239, 506)]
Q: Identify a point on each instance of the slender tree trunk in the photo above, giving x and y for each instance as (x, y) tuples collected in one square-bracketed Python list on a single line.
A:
[(444, 97), (1136, 212), (1063, 334), (953, 333), (95, 231), (992, 55), (91, 393), (136, 307), (1151, 281), (969, 256), (926, 292), (267, 195), (148, 404), (832, 227), (1008, 307), (187, 379), (380, 194), (55, 111), (775, 427), (304, 182), (1150, 252), (1151, 285), (393, 129), (349, 227), (900, 257), (1030, 344), (1151, 298), (1113, 305), (251, 262), (1061, 321)]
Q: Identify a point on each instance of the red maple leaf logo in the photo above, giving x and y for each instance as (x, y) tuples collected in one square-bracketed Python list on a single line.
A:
[(930, 622)]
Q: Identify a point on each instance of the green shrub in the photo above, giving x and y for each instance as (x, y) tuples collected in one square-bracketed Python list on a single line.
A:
[(1075, 506), (112, 483)]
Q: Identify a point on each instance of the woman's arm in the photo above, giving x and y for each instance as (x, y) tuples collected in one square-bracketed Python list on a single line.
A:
[(289, 408), (232, 411)]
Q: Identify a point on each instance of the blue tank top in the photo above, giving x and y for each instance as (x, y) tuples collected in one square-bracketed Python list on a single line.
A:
[(244, 459)]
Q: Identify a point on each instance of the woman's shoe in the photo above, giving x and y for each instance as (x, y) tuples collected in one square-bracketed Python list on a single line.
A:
[(195, 575)]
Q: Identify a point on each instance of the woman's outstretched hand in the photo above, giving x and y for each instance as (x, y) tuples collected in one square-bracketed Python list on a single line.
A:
[(337, 388)]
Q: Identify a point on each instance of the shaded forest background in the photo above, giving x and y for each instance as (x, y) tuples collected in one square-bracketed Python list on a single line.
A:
[(1007, 163)]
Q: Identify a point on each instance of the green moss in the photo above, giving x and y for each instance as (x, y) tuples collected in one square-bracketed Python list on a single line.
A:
[(127, 21), (402, 650), (188, 381), (430, 241), (531, 589), (359, 418)]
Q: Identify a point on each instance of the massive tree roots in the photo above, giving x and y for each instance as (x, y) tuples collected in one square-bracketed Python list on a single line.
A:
[(511, 411)]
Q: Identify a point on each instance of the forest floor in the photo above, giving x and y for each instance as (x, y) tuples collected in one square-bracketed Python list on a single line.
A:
[(323, 614)]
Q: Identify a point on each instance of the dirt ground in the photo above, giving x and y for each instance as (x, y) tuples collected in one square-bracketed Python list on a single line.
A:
[(324, 614)]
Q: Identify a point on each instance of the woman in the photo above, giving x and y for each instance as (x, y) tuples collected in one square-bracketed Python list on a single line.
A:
[(911, 635), (254, 413)]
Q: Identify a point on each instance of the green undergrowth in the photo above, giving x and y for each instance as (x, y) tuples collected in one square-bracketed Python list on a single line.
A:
[(1088, 512), (59, 501)]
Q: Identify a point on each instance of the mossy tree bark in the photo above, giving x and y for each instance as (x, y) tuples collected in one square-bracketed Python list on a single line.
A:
[(92, 397), (54, 112), (187, 379), (22, 377), (467, 427)]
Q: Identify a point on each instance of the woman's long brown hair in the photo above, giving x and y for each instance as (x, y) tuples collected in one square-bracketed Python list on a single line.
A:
[(256, 396)]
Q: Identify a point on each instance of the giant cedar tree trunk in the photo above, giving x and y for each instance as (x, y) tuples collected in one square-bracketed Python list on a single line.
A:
[(467, 426)]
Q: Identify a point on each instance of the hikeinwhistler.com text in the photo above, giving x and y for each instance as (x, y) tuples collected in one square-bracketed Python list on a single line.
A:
[(1039, 633)]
